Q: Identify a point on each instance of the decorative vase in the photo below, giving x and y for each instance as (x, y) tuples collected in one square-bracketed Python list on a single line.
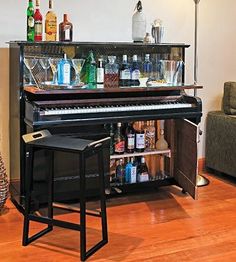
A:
[(3, 184)]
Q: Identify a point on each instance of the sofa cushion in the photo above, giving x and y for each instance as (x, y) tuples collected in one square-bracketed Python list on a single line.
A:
[(229, 98)]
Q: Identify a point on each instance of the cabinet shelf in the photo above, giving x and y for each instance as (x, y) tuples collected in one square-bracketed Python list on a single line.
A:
[(166, 152)]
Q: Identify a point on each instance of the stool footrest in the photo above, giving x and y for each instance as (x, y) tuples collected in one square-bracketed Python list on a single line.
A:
[(55, 222), (95, 248)]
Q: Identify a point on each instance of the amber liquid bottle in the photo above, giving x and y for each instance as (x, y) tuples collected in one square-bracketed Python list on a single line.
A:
[(51, 24), (65, 30)]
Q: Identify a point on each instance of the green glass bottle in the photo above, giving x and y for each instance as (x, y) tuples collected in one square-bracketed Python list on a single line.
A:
[(30, 21)]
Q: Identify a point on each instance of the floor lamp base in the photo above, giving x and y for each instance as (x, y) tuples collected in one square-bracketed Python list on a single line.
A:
[(202, 181)]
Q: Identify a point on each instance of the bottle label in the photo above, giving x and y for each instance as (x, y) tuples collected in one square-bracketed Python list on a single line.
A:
[(130, 141), (100, 75), (38, 28), (120, 147), (30, 21), (140, 141), (135, 74), (125, 74), (51, 27), (143, 177), (66, 74), (67, 33), (133, 174)]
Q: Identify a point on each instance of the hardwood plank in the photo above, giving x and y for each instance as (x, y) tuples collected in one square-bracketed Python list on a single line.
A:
[(163, 225)]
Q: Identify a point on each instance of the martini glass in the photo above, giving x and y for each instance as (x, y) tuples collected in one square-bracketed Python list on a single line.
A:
[(53, 64), (77, 65), (30, 63), (44, 62)]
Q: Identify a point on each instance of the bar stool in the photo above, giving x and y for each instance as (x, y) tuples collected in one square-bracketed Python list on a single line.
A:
[(84, 148)]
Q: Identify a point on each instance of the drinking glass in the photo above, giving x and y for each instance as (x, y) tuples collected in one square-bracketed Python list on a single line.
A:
[(77, 65), (53, 64), (44, 62), (30, 63)]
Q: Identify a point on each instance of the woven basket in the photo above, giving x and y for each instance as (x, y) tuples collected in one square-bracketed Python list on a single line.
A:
[(3, 184)]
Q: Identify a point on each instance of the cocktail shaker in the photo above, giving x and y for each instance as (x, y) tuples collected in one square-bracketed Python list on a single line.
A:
[(157, 31)]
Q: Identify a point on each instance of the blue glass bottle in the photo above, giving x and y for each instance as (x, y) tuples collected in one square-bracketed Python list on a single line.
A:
[(64, 68)]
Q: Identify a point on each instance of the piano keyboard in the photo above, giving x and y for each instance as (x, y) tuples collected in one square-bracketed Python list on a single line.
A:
[(112, 108)]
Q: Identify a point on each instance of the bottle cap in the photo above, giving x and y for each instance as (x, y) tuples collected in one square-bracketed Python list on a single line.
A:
[(124, 57), (119, 124), (135, 57)]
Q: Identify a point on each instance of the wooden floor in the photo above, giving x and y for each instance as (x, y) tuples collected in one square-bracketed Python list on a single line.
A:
[(160, 226)]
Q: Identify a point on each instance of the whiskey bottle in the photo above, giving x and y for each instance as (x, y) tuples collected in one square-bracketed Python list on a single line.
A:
[(139, 139), (38, 23), (119, 141), (150, 135), (30, 21), (51, 24), (65, 30)]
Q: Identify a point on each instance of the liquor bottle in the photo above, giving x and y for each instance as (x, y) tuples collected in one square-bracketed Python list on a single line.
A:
[(64, 69), (131, 172), (51, 24), (150, 135), (111, 133), (65, 30), (125, 74), (111, 76), (143, 175), (38, 23), (100, 73), (147, 67), (119, 141), (129, 138), (161, 143), (91, 69), (120, 171), (135, 72), (30, 21), (139, 139)]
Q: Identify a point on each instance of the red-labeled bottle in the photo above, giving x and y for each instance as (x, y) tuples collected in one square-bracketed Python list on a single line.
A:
[(119, 141), (38, 23)]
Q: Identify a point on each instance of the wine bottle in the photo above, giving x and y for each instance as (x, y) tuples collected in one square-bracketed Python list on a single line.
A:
[(139, 139), (129, 138), (51, 24), (38, 23), (30, 21), (65, 30), (143, 175)]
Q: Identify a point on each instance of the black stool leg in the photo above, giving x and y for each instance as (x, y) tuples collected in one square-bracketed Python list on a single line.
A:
[(50, 186), (82, 209), (102, 196), (28, 187)]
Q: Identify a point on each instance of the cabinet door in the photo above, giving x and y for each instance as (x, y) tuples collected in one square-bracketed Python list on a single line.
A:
[(186, 157)]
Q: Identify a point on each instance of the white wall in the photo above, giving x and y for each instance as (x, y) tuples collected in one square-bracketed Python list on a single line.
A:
[(110, 20)]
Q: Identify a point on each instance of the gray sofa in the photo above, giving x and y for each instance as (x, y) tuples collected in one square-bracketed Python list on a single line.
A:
[(221, 134)]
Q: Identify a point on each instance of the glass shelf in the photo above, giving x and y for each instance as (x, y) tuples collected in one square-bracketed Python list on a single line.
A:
[(166, 152)]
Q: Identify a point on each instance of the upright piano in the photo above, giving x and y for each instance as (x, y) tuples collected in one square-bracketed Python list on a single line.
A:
[(86, 112)]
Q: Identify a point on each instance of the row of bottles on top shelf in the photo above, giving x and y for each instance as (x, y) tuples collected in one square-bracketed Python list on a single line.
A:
[(35, 24), (105, 72), (137, 137), (137, 170)]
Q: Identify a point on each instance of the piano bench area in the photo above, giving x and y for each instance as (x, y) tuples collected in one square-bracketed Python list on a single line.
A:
[(43, 140)]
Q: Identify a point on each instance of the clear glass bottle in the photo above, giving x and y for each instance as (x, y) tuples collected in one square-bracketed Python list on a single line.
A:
[(38, 23), (51, 24), (150, 135), (111, 76), (65, 30), (125, 74), (161, 143), (119, 140), (30, 21)]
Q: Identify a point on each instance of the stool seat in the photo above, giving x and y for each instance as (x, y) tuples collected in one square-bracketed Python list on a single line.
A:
[(43, 140)]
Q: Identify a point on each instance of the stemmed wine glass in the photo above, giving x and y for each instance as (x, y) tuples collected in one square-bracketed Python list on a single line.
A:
[(77, 65), (44, 62), (30, 63), (53, 64)]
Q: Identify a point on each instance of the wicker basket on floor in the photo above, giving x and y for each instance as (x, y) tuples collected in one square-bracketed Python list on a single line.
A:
[(3, 184)]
